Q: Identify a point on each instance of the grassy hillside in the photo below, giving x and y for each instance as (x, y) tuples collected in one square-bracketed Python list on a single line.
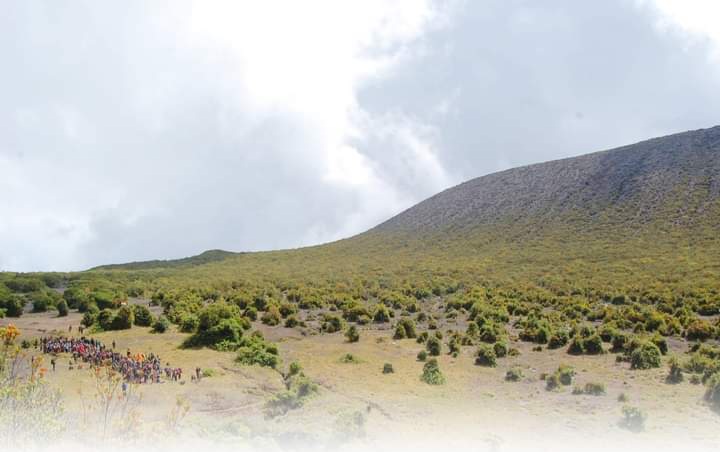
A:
[(645, 216)]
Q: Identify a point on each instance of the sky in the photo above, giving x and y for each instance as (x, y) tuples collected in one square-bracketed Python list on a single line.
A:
[(144, 130)]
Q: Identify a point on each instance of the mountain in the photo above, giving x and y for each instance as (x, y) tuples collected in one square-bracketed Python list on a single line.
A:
[(646, 214), (673, 180)]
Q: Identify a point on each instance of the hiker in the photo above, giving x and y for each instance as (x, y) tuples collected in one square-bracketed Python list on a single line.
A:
[(197, 373)]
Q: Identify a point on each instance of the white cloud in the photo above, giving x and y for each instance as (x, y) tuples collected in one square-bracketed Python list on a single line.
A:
[(149, 130)]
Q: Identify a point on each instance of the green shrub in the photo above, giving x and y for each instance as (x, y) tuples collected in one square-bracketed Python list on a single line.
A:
[(349, 358), (143, 317), (577, 346), (675, 374), (422, 355), (160, 325), (514, 374), (552, 382), (331, 323), (432, 374), (255, 351), (712, 393), (593, 345), (633, 419), (272, 316), (485, 356), (88, 319), (105, 319), (501, 349), (647, 356), (189, 323), (433, 346), (123, 319), (352, 334), (405, 329), (388, 368), (596, 389), (558, 339), (381, 314), (699, 330), (62, 308)]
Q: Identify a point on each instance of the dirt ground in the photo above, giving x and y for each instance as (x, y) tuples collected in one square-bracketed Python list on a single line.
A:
[(398, 405)]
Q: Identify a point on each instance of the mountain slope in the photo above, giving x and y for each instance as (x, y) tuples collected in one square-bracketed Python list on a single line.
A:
[(672, 180), (644, 215)]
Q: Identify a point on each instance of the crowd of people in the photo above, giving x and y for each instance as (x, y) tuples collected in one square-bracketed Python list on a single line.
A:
[(134, 367)]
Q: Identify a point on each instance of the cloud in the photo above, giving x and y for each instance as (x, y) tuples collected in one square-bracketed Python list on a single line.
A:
[(158, 130)]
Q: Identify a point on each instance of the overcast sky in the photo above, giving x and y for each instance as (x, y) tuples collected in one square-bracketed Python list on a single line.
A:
[(138, 130)]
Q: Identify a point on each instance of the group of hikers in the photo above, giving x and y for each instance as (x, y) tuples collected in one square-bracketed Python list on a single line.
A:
[(134, 367)]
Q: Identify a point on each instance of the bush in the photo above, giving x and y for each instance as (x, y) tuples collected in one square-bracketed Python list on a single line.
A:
[(514, 374), (566, 374), (272, 316), (105, 319), (647, 356), (388, 368), (593, 345), (352, 334), (189, 323), (712, 393), (124, 318), (596, 389), (558, 339), (422, 355), (501, 349), (577, 346), (349, 358), (62, 308), (633, 419), (431, 373), (255, 351), (619, 342), (143, 316), (675, 374), (552, 382), (381, 314), (331, 324), (699, 330), (405, 329), (40, 303), (14, 306), (88, 319), (485, 356), (433, 346), (160, 325)]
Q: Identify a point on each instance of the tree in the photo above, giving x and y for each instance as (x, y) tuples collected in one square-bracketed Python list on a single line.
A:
[(123, 319), (143, 316), (62, 308)]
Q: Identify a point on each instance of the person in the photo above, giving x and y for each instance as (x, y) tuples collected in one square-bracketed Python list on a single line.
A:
[(197, 373), (124, 388), (113, 344), (52, 362)]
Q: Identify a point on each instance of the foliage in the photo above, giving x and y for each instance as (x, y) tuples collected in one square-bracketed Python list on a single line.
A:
[(432, 374), (646, 356)]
